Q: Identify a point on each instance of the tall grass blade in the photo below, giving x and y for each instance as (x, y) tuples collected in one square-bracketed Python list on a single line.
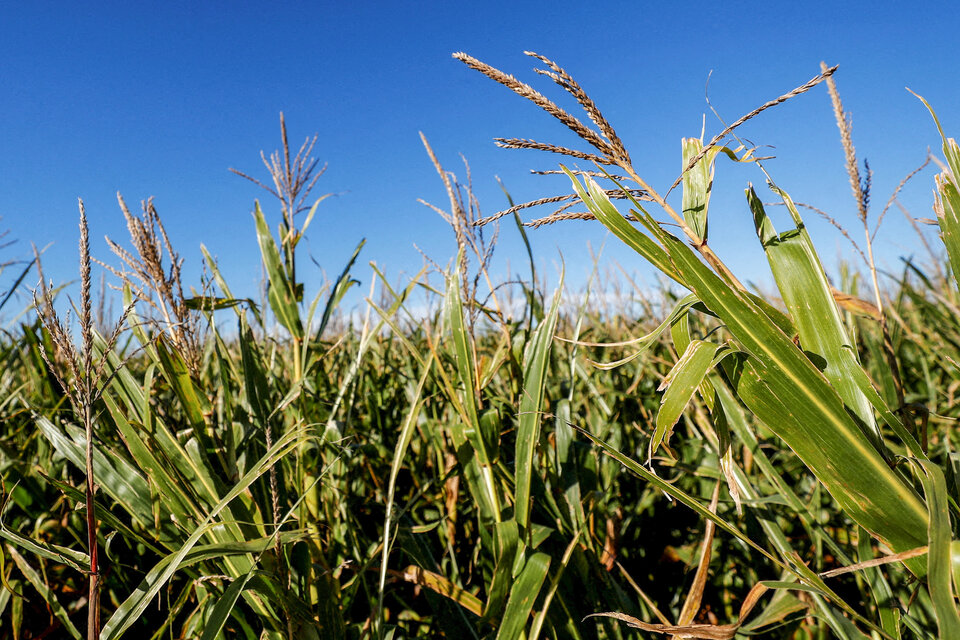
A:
[(939, 556), (280, 291), (225, 604), (484, 445), (399, 452), (523, 595), (39, 584), (807, 294), (506, 539), (536, 360)]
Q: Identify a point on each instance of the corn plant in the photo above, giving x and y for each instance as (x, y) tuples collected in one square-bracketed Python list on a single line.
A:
[(797, 372)]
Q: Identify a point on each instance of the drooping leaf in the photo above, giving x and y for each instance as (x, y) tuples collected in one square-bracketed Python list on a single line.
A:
[(38, 583), (681, 382), (225, 604)]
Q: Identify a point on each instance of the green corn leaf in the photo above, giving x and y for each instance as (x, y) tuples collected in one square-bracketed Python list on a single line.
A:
[(506, 539), (303, 624), (280, 292), (947, 202), (733, 416), (536, 360), (77, 560), (955, 564), (16, 611), (16, 283), (680, 385), (117, 477), (807, 294), (490, 428), (779, 318), (222, 283), (39, 584), (255, 385), (310, 215), (522, 596), (939, 557), (698, 181), (879, 588), (541, 615), (463, 350), (736, 421), (134, 322), (567, 463), (948, 210), (697, 185), (225, 604), (206, 552), (807, 413), (680, 333), (194, 403), (951, 151), (868, 492), (859, 377), (825, 597), (5, 596), (340, 288), (782, 605), (118, 523), (197, 484)]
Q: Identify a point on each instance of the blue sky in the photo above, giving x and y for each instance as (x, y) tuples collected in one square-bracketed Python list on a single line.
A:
[(160, 99)]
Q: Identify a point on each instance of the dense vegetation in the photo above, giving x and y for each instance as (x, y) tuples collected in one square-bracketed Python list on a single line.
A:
[(725, 465)]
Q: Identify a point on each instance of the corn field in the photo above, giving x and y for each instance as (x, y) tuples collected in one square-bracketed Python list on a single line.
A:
[(706, 462)]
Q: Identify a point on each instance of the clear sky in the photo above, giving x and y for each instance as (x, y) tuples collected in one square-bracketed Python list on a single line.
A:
[(160, 99)]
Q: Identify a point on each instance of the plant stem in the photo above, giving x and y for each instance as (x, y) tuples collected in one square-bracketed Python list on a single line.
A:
[(700, 244), (93, 597)]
